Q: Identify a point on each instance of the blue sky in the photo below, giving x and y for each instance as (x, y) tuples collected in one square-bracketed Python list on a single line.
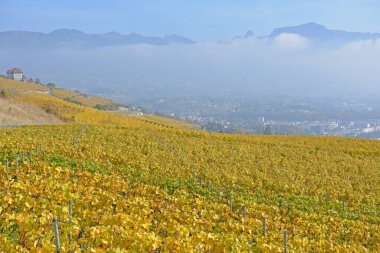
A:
[(202, 20)]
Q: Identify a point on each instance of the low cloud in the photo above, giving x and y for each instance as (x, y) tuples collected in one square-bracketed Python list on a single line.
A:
[(290, 41), (285, 65)]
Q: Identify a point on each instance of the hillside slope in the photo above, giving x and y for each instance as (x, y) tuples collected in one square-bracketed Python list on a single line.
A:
[(22, 89), (14, 113), (63, 102), (143, 186)]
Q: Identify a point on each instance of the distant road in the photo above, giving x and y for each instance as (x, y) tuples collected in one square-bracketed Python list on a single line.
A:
[(37, 91)]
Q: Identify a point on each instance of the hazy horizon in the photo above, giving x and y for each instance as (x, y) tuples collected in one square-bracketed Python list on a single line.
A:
[(285, 64)]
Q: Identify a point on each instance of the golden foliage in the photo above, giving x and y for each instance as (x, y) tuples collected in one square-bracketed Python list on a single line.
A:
[(142, 186), (137, 188)]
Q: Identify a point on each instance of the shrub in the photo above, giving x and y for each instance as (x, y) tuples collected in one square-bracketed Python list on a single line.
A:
[(73, 100), (106, 107), (51, 109), (5, 93)]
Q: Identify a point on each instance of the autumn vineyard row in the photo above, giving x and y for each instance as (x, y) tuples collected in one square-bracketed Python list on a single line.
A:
[(139, 186)]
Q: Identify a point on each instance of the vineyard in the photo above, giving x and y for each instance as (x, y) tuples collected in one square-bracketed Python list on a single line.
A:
[(20, 89), (126, 184)]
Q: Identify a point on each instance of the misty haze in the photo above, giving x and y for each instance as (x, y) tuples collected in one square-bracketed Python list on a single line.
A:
[(285, 63), (307, 66)]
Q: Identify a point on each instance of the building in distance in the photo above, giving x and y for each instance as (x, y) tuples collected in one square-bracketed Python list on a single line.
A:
[(15, 74)]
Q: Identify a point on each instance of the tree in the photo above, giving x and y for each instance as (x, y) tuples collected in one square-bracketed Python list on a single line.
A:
[(268, 130), (50, 85), (37, 81)]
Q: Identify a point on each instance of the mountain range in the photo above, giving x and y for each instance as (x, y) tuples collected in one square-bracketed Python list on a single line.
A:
[(77, 39), (317, 32)]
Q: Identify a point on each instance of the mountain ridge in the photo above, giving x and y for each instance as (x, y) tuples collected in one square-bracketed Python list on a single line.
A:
[(318, 32), (77, 38), (65, 37)]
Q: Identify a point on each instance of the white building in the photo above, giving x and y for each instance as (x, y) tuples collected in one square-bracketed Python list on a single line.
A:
[(15, 74)]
